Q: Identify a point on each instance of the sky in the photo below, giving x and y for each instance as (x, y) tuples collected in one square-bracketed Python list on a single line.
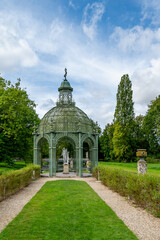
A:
[(97, 41)]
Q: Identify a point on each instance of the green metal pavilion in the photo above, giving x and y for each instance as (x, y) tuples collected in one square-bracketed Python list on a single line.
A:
[(67, 122)]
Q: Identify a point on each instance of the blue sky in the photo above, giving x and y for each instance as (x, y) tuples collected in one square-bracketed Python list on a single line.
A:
[(97, 41)]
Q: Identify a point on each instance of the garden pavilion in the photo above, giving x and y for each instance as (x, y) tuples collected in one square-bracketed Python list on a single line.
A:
[(68, 123)]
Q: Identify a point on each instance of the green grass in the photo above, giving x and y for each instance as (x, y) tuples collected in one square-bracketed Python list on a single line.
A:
[(152, 168), (6, 167), (67, 210)]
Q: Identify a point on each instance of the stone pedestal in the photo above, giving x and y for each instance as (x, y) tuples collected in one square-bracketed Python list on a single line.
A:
[(142, 166), (66, 168)]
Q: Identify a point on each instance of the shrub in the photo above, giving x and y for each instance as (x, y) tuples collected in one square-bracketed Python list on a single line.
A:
[(144, 190), (14, 180)]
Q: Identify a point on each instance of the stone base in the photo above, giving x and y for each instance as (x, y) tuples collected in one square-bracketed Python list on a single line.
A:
[(142, 166), (65, 168)]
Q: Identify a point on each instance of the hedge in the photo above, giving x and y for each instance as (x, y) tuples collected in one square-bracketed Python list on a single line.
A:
[(14, 180), (143, 190)]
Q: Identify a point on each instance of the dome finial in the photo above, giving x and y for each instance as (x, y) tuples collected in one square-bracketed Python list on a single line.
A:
[(65, 75)]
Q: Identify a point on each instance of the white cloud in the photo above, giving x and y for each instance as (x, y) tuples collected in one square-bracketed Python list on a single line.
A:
[(92, 15), (71, 4), (146, 83), (150, 10), (137, 40), (94, 69), (14, 51)]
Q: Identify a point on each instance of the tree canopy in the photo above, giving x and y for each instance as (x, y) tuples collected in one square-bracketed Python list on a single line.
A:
[(17, 119), (151, 126)]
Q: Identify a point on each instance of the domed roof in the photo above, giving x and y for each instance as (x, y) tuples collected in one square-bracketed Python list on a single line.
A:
[(65, 85), (66, 116)]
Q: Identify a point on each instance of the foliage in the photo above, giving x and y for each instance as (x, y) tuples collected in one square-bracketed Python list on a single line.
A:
[(17, 119), (142, 189), (65, 144), (152, 126), (14, 180), (15, 166), (67, 210), (139, 133), (122, 142), (44, 146), (106, 144), (124, 112), (123, 136)]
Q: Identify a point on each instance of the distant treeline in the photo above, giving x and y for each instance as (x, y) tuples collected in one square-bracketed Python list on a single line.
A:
[(127, 133)]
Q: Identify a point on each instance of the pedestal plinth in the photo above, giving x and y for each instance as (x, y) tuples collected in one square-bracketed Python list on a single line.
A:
[(66, 168), (142, 166)]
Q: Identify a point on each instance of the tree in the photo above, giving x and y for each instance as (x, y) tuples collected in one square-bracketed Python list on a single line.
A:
[(17, 119), (122, 146), (139, 133), (123, 137), (151, 126), (106, 144), (124, 111)]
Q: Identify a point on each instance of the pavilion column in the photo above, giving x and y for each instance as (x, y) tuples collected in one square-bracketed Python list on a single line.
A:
[(91, 158), (54, 161), (79, 158), (52, 157), (39, 156), (35, 151), (96, 151), (95, 157)]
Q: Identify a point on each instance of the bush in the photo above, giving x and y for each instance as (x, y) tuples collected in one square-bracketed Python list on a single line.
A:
[(14, 180), (152, 160), (144, 190)]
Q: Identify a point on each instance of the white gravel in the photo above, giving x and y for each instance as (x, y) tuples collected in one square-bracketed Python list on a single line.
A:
[(144, 225)]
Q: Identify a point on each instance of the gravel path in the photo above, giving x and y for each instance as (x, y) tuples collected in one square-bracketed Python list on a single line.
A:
[(144, 225)]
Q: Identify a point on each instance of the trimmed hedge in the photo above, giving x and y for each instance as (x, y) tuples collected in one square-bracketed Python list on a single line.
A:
[(14, 180), (144, 190)]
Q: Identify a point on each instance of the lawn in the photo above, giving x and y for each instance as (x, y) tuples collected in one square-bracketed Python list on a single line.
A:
[(152, 168), (16, 165), (67, 210)]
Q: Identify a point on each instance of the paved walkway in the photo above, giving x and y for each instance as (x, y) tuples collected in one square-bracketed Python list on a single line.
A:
[(144, 225)]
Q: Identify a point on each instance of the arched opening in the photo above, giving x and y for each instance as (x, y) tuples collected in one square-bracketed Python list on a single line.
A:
[(69, 145), (87, 156), (43, 152)]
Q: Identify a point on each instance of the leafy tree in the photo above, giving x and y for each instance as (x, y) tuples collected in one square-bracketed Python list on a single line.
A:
[(139, 133), (106, 144), (17, 119), (123, 137), (151, 126)]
